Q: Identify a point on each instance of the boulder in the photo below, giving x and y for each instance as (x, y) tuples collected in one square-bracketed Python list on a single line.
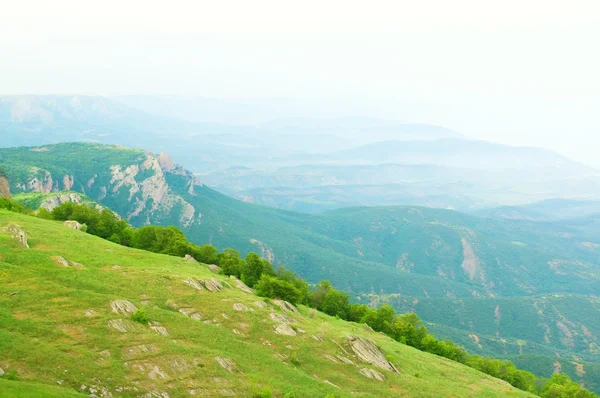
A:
[(123, 307), (260, 304), (1, 372), (73, 225), (190, 258), (367, 351)]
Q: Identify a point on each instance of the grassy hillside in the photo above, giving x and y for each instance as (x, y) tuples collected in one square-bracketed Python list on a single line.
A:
[(57, 329)]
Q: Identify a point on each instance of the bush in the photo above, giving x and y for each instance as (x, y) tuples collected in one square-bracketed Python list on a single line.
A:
[(272, 287), (140, 316)]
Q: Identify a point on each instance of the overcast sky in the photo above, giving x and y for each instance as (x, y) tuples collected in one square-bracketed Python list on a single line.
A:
[(521, 72)]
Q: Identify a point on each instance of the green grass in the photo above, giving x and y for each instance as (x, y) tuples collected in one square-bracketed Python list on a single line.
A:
[(46, 337), (19, 389)]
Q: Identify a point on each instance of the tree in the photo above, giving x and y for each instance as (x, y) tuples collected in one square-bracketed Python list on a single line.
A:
[(273, 287), (230, 262), (254, 267)]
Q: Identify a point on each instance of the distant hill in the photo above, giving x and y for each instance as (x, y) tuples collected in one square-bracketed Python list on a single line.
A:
[(547, 210)]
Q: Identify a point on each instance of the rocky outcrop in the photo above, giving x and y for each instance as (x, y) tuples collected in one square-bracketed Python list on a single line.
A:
[(55, 200), (4, 186), (241, 285), (285, 306), (73, 225), (225, 363), (367, 351), (123, 307), (18, 234), (285, 329), (372, 374)]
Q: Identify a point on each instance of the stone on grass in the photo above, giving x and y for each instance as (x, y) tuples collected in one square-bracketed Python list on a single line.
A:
[(123, 307), (193, 283), (280, 318), (73, 225), (241, 285), (240, 307), (285, 329), (285, 306), (214, 268), (226, 363), (372, 374), (367, 351)]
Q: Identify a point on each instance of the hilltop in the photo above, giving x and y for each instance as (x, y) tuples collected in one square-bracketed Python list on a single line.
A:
[(69, 328)]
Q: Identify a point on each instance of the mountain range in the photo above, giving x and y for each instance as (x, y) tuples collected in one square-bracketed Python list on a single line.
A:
[(508, 287)]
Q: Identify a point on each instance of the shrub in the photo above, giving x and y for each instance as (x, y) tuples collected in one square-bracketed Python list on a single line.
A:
[(140, 316)]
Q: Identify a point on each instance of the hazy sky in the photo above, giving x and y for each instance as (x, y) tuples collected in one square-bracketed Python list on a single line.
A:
[(518, 72)]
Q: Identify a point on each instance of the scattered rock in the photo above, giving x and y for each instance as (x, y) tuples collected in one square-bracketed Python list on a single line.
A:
[(345, 360), (331, 358), (159, 329), (121, 325), (285, 306), (58, 260), (285, 329), (240, 307), (17, 234), (316, 338), (190, 258), (235, 331), (73, 225), (226, 363), (225, 316), (241, 285), (193, 283), (213, 285), (123, 307), (191, 313), (367, 351), (331, 384), (1, 372), (105, 353), (280, 318), (214, 268), (156, 373), (372, 374), (260, 304)]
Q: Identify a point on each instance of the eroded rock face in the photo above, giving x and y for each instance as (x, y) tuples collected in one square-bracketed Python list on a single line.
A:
[(123, 307), (367, 351), (4, 186)]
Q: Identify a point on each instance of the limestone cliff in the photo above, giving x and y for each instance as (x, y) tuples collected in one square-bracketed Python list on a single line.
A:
[(4, 186)]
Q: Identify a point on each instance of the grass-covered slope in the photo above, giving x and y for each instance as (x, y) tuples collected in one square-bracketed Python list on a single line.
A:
[(57, 329)]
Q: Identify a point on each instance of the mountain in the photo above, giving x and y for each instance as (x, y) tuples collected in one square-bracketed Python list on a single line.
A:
[(445, 258), (70, 330)]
